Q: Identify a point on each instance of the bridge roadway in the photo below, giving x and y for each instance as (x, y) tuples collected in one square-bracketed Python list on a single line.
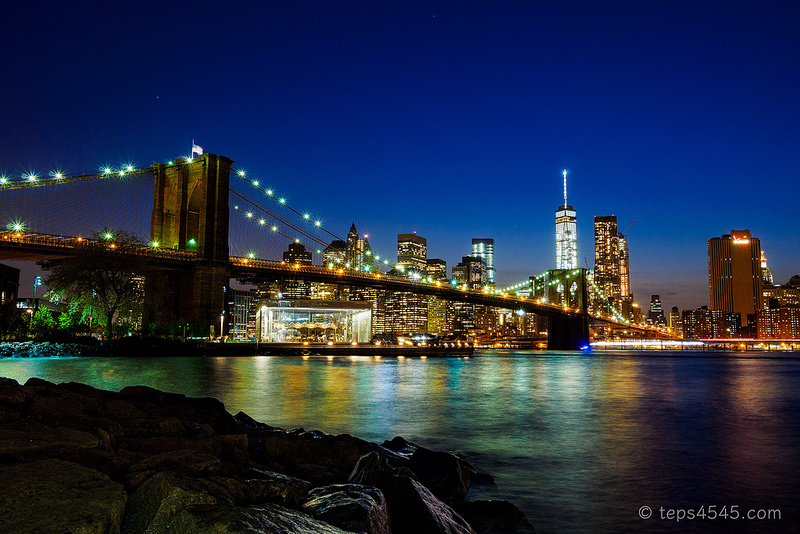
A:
[(26, 246), (249, 270), (569, 327)]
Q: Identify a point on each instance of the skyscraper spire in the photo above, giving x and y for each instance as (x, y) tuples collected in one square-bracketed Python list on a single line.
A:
[(566, 234)]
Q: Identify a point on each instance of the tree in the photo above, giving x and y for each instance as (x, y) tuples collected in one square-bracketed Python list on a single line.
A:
[(42, 323), (104, 277), (12, 323)]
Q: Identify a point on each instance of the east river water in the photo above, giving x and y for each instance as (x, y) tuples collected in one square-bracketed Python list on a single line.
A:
[(580, 442)]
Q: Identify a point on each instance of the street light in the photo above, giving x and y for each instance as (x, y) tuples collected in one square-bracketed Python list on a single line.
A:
[(36, 282)]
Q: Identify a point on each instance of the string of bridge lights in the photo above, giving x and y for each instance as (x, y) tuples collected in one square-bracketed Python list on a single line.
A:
[(540, 285), (317, 223), (56, 176)]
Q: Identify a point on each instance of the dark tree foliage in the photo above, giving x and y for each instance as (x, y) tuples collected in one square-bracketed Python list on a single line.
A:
[(104, 278), (13, 324)]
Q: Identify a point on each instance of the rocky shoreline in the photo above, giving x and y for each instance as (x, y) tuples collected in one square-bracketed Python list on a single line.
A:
[(78, 459)]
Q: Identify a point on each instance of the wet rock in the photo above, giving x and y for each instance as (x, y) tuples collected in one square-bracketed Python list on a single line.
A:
[(475, 476), (142, 394), (120, 410), (268, 486), (54, 496), (23, 441), (195, 468), (441, 472), (71, 410), (37, 385), (184, 461), (351, 507), (494, 517), (372, 469), (14, 396), (250, 520), (170, 427), (323, 459), (413, 509), (251, 426), (406, 472), (320, 475), (8, 415), (401, 447), (158, 499), (83, 390)]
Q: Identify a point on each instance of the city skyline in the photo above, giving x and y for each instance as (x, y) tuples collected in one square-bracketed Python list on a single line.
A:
[(453, 121)]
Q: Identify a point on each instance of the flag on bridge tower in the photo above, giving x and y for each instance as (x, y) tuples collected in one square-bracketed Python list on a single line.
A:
[(196, 149)]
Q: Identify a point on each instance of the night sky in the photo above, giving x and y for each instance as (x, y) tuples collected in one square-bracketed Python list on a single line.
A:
[(451, 119)]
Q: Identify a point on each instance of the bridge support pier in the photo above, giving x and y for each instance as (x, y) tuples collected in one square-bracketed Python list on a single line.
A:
[(568, 333), (193, 296)]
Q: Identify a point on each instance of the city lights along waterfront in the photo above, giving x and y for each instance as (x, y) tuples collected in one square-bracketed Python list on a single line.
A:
[(580, 443)]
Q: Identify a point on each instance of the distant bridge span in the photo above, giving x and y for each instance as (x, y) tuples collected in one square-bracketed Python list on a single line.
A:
[(245, 269), (33, 247)]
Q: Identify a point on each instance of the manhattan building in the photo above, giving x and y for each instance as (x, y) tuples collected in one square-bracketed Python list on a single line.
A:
[(735, 275), (656, 315), (606, 257), (483, 248), (566, 234), (412, 252), (359, 253)]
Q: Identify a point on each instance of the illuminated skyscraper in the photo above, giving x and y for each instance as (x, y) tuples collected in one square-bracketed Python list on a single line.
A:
[(766, 274), (412, 252), (606, 256), (735, 275), (624, 267), (484, 249), (471, 271), (297, 253), (566, 234), (656, 315), (355, 247)]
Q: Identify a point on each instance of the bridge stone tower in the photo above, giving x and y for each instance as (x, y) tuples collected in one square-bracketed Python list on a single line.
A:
[(190, 212), (565, 287)]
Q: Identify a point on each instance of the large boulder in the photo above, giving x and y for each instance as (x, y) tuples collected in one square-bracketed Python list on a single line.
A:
[(183, 461), (268, 486), (440, 472), (200, 411), (413, 509), (372, 469), (400, 448), (22, 441), (53, 496), (65, 408), (153, 505), (224, 519), (351, 507), (14, 396), (494, 517), (320, 458)]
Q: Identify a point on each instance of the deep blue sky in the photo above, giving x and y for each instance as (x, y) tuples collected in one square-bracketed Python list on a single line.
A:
[(452, 119)]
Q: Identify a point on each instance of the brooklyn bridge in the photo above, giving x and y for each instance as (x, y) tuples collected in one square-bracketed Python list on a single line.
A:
[(196, 212)]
